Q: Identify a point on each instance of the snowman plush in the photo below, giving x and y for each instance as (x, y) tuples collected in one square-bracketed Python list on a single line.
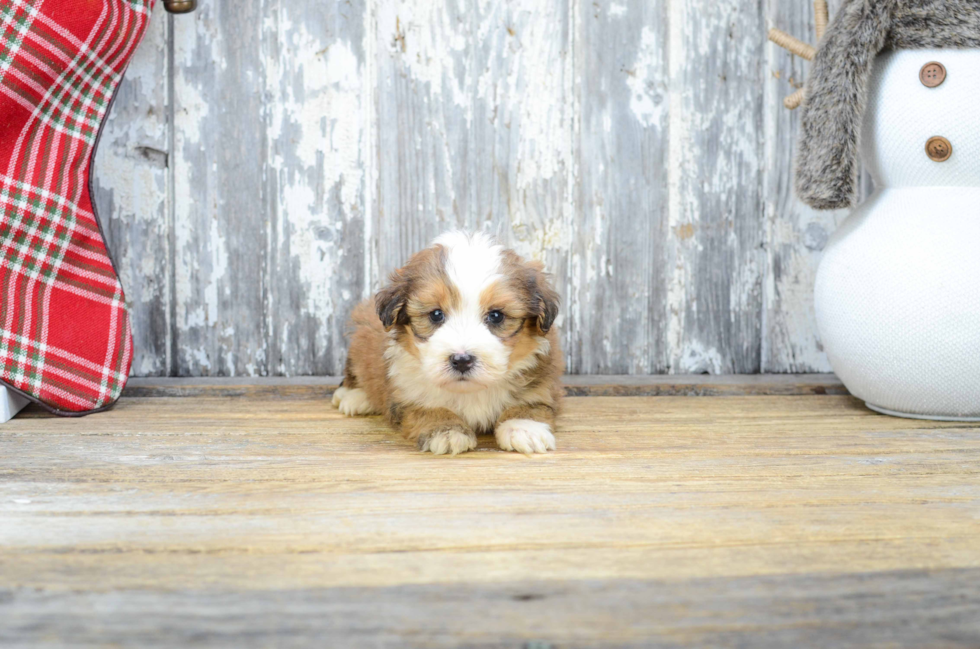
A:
[(898, 289)]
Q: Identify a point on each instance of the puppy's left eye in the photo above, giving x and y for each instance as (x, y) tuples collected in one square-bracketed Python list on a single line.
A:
[(495, 317)]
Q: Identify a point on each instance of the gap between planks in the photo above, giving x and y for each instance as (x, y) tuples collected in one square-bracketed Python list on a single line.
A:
[(575, 386)]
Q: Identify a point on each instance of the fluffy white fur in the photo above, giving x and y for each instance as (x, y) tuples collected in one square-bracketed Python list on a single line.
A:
[(473, 263), (449, 442), (525, 436), (353, 402)]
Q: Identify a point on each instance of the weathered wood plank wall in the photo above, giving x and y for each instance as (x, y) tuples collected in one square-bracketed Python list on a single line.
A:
[(268, 162)]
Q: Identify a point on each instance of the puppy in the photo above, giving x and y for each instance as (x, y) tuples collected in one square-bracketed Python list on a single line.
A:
[(460, 342)]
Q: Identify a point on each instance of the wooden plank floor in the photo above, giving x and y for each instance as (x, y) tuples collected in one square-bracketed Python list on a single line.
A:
[(269, 520)]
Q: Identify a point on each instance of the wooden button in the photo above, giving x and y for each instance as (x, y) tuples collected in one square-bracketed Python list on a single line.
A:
[(932, 74), (939, 149)]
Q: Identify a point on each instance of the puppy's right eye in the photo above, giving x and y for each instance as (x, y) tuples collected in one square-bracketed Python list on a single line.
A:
[(437, 316)]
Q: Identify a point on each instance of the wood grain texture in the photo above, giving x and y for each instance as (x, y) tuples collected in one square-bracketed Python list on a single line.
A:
[(475, 126), (616, 299), (795, 234), (639, 148), (715, 253), (882, 609), (221, 198), (318, 93), (675, 521)]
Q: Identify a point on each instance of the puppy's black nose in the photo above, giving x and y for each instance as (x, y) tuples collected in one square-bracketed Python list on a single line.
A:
[(462, 363)]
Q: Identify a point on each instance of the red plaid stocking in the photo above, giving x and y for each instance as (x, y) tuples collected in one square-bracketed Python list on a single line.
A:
[(65, 338)]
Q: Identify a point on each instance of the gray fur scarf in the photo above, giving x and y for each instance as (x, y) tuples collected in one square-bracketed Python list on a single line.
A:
[(836, 92)]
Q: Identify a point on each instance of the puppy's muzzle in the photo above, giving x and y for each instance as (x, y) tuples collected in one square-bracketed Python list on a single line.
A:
[(462, 363)]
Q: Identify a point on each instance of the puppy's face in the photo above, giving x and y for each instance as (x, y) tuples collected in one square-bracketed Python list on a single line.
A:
[(469, 311)]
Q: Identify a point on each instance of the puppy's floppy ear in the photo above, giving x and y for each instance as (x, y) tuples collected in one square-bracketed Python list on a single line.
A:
[(390, 301), (544, 299)]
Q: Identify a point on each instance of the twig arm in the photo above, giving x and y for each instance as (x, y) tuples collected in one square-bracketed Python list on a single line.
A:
[(793, 101), (792, 44), (820, 17)]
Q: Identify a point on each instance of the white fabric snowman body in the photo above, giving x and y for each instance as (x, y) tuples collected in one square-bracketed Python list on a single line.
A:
[(898, 290)]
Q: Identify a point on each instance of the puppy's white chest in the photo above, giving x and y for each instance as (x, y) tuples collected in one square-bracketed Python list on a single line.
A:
[(480, 410)]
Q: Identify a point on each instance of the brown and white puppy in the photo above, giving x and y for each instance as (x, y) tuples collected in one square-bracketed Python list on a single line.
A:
[(459, 343)]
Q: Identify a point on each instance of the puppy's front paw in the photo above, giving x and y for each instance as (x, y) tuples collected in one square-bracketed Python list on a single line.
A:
[(352, 402), (525, 436), (448, 441)]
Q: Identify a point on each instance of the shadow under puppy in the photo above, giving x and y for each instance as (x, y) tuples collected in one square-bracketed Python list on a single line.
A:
[(459, 343)]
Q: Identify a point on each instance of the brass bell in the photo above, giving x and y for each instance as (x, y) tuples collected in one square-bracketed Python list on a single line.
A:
[(180, 6)]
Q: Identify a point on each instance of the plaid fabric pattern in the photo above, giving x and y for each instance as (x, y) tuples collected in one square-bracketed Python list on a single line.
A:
[(65, 335)]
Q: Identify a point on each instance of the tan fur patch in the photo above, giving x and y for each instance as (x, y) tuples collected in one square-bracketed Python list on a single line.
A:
[(366, 368), (503, 296), (431, 293), (539, 412), (425, 269), (519, 295), (531, 287), (525, 343), (417, 422)]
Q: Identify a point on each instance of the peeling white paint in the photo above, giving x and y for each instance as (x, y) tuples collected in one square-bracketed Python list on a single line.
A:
[(191, 114), (715, 169), (486, 132), (680, 209), (199, 357), (647, 101), (203, 240), (369, 154), (194, 109), (317, 124), (695, 358), (423, 36), (219, 268), (196, 318)]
